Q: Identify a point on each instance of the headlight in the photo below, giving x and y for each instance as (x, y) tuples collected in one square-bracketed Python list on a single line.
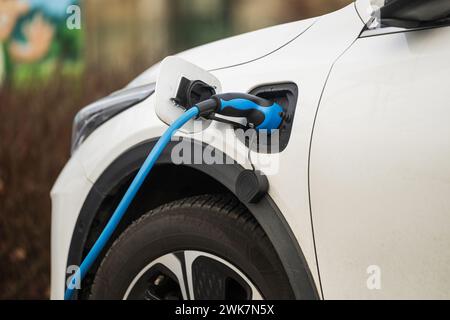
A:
[(94, 115)]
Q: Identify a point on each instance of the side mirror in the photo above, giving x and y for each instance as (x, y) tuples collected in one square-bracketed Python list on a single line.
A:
[(414, 13)]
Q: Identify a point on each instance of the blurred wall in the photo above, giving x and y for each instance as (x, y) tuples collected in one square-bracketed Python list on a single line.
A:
[(119, 33)]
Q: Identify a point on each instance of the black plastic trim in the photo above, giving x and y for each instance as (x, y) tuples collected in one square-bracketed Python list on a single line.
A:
[(414, 13), (388, 31), (251, 186), (265, 211)]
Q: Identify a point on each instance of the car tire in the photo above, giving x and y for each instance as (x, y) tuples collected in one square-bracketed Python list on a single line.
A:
[(216, 230)]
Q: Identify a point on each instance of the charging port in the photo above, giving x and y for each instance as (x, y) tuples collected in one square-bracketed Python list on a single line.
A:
[(286, 95), (191, 92)]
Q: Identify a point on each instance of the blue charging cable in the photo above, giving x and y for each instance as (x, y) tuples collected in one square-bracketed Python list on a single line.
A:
[(260, 113), (128, 198)]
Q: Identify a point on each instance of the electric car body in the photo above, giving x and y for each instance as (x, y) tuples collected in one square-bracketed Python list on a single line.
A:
[(358, 205)]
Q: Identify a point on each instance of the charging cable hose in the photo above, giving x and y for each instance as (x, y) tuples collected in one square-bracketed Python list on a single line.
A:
[(260, 114), (128, 198)]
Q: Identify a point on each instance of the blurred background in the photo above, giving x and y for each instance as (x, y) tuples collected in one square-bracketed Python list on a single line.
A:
[(50, 68)]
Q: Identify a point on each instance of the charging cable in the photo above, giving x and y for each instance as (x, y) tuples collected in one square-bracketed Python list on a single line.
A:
[(259, 112)]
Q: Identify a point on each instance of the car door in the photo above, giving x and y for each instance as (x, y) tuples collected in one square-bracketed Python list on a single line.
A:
[(380, 168)]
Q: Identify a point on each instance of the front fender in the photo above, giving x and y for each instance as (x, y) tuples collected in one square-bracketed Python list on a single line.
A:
[(265, 212)]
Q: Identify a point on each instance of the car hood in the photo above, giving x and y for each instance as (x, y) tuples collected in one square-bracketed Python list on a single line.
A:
[(235, 50)]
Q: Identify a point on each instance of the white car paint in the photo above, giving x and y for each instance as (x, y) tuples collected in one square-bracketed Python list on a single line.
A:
[(236, 50), (372, 184), (384, 198)]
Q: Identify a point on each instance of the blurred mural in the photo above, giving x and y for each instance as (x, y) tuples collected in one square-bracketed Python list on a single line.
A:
[(35, 40), (49, 71)]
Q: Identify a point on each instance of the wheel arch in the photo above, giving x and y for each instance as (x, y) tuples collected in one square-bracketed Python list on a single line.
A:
[(107, 191)]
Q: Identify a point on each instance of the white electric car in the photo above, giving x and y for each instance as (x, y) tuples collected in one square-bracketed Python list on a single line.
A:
[(358, 205)]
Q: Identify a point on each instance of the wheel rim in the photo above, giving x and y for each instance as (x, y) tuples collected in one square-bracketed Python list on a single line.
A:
[(191, 275)]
